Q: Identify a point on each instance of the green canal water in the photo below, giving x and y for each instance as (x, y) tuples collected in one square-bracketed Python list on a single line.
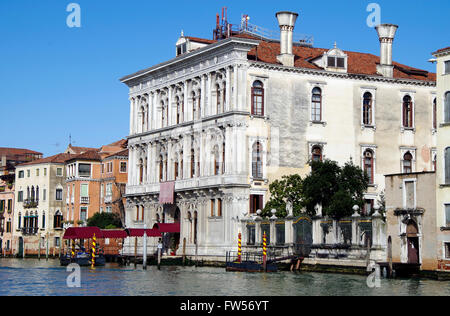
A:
[(46, 278)]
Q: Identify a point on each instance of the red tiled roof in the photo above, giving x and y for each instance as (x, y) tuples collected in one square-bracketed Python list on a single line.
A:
[(17, 151), (120, 143), (123, 153), (358, 63), (59, 158), (89, 155), (200, 40), (441, 50), (80, 150)]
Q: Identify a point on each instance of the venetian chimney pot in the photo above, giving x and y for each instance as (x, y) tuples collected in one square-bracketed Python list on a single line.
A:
[(286, 21), (386, 34)]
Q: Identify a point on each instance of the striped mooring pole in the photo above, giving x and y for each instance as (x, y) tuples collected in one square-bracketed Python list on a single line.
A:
[(239, 248), (264, 251), (94, 243)]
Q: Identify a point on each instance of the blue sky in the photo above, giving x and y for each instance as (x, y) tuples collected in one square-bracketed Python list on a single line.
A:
[(57, 81)]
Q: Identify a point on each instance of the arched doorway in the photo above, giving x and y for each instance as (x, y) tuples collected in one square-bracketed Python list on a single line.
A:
[(412, 232)]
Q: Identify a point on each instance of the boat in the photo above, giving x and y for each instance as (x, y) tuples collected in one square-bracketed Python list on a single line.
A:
[(83, 259)]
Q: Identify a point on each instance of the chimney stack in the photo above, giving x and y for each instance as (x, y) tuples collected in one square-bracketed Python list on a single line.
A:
[(386, 34), (286, 20)]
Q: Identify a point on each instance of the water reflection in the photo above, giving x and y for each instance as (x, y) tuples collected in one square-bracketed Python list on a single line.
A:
[(33, 277)]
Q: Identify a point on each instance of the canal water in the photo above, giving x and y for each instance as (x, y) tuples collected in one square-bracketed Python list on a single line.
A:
[(43, 278)]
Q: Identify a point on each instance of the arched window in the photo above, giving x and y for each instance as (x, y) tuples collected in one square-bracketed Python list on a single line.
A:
[(257, 161), (194, 106), (179, 110), (434, 114), (141, 171), (218, 99), (368, 165), (367, 108), (258, 98), (216, 161), (192, 163), (407, 163), (447, 165), (58, 220), (161, 168), (316, 105), (223, 158), (447, 108), (407, 112), (142, 118), (316, 153)]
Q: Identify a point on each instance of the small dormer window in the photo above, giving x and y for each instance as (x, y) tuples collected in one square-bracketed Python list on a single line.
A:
[(336, 62), (181, 49)]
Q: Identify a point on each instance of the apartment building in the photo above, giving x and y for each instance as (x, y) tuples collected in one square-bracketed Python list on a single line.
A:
[(38, 217)]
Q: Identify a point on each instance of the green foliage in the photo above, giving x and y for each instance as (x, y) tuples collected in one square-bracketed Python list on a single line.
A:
[(336, 189), (105, 221), (287, 189)]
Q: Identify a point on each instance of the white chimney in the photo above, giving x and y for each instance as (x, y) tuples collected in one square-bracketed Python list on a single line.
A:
[(286, 20), (386, 33)]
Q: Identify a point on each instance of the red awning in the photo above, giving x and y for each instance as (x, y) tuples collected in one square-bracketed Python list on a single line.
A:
[(167, 228), (167, 193), (114, 234), (134, 232), (82, 233)]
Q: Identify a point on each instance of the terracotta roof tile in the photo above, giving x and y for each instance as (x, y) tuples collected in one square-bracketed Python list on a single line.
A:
[(358, 63), (59, 158)]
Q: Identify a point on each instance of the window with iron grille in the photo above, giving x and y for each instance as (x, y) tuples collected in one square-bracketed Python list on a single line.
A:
[(447, 165)]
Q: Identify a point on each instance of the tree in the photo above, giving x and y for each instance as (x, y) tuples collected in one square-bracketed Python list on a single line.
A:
[(105, 221), (336, 189), (287, 189)]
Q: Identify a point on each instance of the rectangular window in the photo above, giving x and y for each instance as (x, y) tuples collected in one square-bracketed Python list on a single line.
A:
[(447, 67), (409, 195), (45, 171), (84, 170), (44, 194), (447, 215), (256, 203), (2, 206), (213, 206), (59, 194), (37, 172), (20, 196), (123, 167), (59, 172), (56, 241), (219, 208), (28, 173), (21, 174), (9, 205), (8, 228), (447, 250), (83, 214), (251, 234), (84, 190)]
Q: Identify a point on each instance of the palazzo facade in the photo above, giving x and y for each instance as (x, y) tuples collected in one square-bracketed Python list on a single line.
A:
[(225, 118)]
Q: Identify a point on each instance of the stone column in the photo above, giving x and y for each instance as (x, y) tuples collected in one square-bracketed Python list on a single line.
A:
[(203, 97), (273, 230), (209, 91), (289, 230), (235, 88), (258, 238), (131, 116), (228, 90), (355, 228), (377, 224)]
